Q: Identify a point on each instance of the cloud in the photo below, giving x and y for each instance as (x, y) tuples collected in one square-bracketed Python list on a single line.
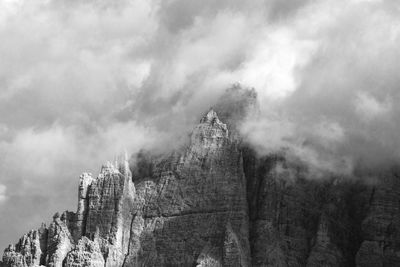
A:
[(369, 107), (3, 195), (338, 116), (81, 81)]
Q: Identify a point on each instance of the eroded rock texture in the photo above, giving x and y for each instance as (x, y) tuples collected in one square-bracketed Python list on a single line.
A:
[(381, 227), (296, 221), (215, 202), (96, 235)]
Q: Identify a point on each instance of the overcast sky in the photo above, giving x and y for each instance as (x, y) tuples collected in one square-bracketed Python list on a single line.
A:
[(84, 80)]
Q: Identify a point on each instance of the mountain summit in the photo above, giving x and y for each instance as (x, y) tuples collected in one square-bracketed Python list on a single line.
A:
[(216, 203)]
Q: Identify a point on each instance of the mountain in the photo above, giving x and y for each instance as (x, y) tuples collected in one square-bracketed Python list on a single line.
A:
[(215, 202)]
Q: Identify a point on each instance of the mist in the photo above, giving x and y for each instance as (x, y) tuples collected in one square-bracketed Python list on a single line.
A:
[(83, 81)]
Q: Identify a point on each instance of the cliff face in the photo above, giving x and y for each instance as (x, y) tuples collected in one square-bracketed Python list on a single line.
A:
[(215, 203), (295, 221), (191, 207), (97, 233)]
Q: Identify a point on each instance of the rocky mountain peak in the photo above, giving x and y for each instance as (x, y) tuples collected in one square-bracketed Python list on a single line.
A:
[(215, 202), (211, 117), (210, 133)]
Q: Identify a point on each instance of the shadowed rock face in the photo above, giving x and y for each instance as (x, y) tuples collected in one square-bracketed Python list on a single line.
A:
[(216, 203), (296, 221)]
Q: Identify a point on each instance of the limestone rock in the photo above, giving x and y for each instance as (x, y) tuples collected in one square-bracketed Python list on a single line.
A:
[(86, 254), (296, 221), (28, 251), (187, 198), (96, 235), (324, 252), (381, 227), (209, 257)]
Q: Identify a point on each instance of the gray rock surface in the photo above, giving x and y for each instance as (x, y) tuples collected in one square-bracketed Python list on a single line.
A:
[(86, 253), (215, 202)]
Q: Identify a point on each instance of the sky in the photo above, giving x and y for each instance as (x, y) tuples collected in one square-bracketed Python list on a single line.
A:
[(84, 81)]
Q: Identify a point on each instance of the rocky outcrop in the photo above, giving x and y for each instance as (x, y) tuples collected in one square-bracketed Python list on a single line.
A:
[(28, 251), (381, 227), (295, 221), (215, 202), (86, 253), (96, 235)]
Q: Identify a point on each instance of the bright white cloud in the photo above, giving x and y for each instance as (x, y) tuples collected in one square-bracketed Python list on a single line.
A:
[(340, 109)]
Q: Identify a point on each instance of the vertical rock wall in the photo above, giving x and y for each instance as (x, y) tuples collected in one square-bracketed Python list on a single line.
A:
[(191, 203)]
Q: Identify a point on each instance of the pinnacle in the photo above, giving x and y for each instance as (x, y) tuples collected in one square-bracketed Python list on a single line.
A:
[(108, 168), (210, 117)]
